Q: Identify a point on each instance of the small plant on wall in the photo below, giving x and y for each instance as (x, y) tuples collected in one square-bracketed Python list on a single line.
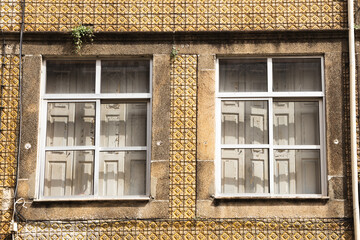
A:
[(80, 35), (174, 52)]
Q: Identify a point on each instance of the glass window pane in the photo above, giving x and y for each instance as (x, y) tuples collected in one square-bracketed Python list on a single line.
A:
[(122, 173), (297, 74), (244, 122), (125, 76), (68, 173), (297, 171), (244, 171), (123, 124), (296, 123), (64, 76), (70, 124), (243, 75)]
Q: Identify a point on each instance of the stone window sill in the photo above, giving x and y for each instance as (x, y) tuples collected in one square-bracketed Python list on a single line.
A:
[(269, 197), (145, 198)]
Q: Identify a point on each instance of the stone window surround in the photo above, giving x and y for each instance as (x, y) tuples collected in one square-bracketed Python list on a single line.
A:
[(267, 95), (78, 98)]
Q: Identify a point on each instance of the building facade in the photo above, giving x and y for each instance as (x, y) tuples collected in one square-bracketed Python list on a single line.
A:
[(180, 120)]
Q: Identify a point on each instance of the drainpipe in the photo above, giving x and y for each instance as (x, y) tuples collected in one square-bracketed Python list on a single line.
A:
[(354, 171)]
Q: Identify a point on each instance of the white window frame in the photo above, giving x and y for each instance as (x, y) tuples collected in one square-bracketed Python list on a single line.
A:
[(269, 96), (96, 98)]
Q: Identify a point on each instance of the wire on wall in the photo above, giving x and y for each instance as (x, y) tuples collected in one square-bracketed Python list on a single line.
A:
[(19, 105)]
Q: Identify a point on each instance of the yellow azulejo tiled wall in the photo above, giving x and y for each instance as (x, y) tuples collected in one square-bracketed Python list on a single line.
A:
[(183, 137), (182, 222), (169, 16), (9, 77), (224, 229), (9, 73)]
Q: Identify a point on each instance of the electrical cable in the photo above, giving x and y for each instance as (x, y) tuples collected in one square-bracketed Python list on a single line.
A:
[(19, 103), (2, 70)]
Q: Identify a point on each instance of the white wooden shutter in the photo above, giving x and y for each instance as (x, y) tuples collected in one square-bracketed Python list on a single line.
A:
[(60, 132), (61, 122), (308, 172), (295, 123), (233, 171), (83, 173), (233, 122), (58, 173), (123, 172), (285, 171), (233, 132), (113, 125), (256, 171), (284, 160), (135, 176), (135, 124), (112, 174), (69, 172), (244, 122), (256, 122)]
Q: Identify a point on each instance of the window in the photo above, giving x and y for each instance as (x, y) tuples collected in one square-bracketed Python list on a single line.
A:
[(95, 129), (270, 127)]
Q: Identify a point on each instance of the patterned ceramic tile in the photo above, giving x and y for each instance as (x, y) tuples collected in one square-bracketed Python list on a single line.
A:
[(9, 77), (189, 229), (183, 137), (169, 16), (163, 16)]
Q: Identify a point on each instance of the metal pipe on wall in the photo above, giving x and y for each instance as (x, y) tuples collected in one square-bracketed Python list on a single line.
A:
[(354, 171)]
